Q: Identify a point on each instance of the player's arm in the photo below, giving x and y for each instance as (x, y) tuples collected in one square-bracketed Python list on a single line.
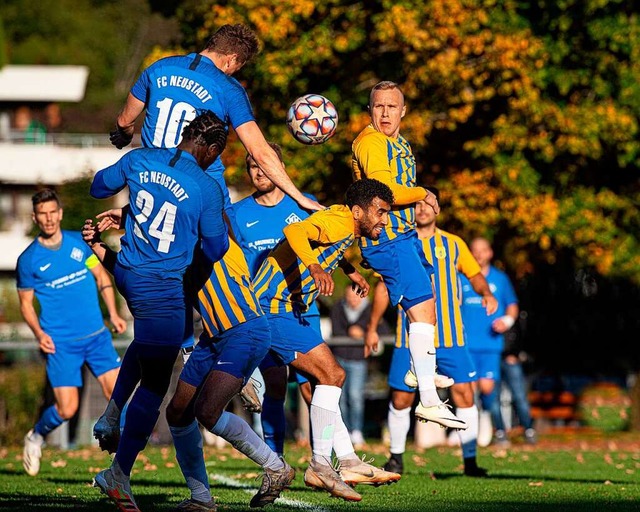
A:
[(110, 180), (299, 235), (213, 224), (30, 316), (378, 307), (125, 122), (91, 235), (105, 287), (256, 145), (360, 284), (481, 287), (506, 321)]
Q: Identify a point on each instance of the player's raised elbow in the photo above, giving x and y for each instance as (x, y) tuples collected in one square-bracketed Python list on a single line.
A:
[(98, 188), (214, 248)]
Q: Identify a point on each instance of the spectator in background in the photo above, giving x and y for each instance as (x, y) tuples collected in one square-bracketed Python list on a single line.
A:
[(350, 317), (34, 132), (485, 333), (56, 270), (512, 375)]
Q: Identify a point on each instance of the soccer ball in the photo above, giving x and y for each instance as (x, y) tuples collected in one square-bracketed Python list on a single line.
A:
[(312, 119)]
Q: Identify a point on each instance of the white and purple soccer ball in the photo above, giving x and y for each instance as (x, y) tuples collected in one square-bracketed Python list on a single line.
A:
[(312, 119)]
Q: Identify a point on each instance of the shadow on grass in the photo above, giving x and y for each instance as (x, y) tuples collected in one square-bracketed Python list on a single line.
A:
[(438, 475)]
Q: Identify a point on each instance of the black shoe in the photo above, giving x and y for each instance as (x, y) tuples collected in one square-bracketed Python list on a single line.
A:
[(394, 464), (471, 468)]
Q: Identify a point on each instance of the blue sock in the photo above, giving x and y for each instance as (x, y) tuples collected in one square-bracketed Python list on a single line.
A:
[(487, 400), (188, 443), (273, 423), (49, 420), (142, 415)]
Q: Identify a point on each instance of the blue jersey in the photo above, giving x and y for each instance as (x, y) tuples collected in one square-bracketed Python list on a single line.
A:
[(173, 204), (477, 324), (63, 284), (175, 89), (258, 229)]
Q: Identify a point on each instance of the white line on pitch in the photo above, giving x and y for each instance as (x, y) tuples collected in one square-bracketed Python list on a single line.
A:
[(230, 482)]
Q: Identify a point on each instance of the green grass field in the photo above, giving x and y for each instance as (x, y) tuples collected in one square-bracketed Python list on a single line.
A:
[(563, 472)]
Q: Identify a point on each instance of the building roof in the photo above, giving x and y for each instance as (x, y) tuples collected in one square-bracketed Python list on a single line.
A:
[(32, 164), (43, 83)]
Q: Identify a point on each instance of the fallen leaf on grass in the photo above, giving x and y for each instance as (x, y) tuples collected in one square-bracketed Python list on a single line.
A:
[(418, 461), (607, 482), (249, 475), (60, 463), (150, 467), (536, 484), (94, 470), (169, 465), (580, 458)]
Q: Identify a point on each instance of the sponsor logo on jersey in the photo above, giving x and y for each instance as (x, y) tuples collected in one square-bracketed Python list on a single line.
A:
[(45, 267), (77, 254), (249, 224), (292, 218)]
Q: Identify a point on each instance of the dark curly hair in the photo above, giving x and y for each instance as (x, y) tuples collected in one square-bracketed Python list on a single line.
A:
[(238, 39), (206, 129), (362, 193)]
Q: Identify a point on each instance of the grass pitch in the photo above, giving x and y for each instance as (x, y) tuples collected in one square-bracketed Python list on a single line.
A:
[(562, 473)]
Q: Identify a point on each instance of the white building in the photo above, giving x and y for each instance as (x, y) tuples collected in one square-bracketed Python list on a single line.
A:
[(24, 167)]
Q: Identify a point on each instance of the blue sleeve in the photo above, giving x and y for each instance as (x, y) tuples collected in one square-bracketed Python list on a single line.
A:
[(213, 228), (24, 275), (240, 110), (110, 180), (140, 88)]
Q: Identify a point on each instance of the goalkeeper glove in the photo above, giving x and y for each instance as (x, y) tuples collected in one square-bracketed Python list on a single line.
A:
[(119, 138)]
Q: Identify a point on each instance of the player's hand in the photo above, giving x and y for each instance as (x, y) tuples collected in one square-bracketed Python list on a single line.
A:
[(46, 343), (359, 284), (490, 304), (371, 341), (432, 201), (310, 204), (120, 137), (111, 219), (119, 324), (89, 233), (324, 282), (500, 326)]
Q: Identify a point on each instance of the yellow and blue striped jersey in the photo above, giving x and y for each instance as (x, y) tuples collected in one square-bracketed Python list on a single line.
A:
[(391, 161), (449, 255), (283, 282), (227, 298)]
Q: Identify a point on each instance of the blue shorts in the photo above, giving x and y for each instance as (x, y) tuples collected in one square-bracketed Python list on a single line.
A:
[(487, 363), (272, 359), (236, 351), (291, 335), (64, 368), (454, 362), (159, 308), (404, 268)]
